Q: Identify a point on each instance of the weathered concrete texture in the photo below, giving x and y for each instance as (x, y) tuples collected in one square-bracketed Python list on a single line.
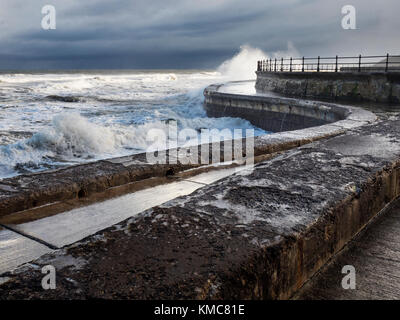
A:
[(375, 255), (353, 86), (259, 234), (278, 114), (93, 180), (70, 226), (32, 190), (27, 241)]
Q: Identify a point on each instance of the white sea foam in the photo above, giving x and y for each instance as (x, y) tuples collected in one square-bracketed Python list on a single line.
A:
[(243, 65)]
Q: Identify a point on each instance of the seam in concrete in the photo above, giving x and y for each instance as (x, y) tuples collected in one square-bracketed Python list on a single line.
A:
[(33, 238), (188, 180)]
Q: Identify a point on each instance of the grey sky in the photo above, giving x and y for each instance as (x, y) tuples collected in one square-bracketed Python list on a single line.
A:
[(187, 33)]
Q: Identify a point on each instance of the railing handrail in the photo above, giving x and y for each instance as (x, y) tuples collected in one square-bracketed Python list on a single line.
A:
[(359, 62), (341, 57)]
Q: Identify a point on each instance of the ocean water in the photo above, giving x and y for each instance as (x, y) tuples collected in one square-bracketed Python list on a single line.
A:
[(54, 119)]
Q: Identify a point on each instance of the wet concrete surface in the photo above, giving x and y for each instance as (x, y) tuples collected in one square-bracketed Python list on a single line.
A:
[(375, 256), (245, 88), (16, 249), (258, 234), (70, 226)]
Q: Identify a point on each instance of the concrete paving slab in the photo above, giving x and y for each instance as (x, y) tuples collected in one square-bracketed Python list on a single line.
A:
[(16, 250), (71, 226)]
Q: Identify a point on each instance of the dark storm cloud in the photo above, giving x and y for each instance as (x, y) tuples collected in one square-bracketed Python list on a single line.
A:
[(186, 33), (192, 28)]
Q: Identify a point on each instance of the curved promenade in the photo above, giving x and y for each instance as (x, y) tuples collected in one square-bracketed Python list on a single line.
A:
[(277, 113)]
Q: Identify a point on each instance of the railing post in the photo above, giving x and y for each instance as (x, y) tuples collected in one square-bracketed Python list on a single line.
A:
[(275, 65), (336, 64), (359, 63), (290, 64), (387, 63), (318, 63), (302, 67), (281, 64)]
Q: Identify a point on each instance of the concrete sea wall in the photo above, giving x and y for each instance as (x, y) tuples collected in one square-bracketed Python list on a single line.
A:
[(275, 114), (349, 86)]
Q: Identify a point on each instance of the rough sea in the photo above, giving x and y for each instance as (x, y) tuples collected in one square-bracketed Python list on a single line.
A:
[(53, 119)]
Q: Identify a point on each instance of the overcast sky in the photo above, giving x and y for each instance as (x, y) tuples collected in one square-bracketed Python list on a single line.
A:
[(187, 33)]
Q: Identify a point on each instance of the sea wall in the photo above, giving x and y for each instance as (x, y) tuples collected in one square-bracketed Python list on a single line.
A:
[(274, 114), (345, 86)]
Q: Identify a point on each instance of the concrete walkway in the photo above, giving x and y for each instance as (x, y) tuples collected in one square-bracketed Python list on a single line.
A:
[(375, 255), (24, 242)]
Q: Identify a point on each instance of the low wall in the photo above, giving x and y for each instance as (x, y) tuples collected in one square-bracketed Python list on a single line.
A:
[(274, 114), (351, 86)]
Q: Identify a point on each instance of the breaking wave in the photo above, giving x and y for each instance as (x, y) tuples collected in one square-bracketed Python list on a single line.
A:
[(242, 66), (72, 138)]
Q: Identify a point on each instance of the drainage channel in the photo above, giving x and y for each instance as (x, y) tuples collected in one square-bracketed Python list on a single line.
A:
[(21, 243)]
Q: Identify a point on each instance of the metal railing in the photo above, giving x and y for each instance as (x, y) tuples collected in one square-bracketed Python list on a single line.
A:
[(387, 63)]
